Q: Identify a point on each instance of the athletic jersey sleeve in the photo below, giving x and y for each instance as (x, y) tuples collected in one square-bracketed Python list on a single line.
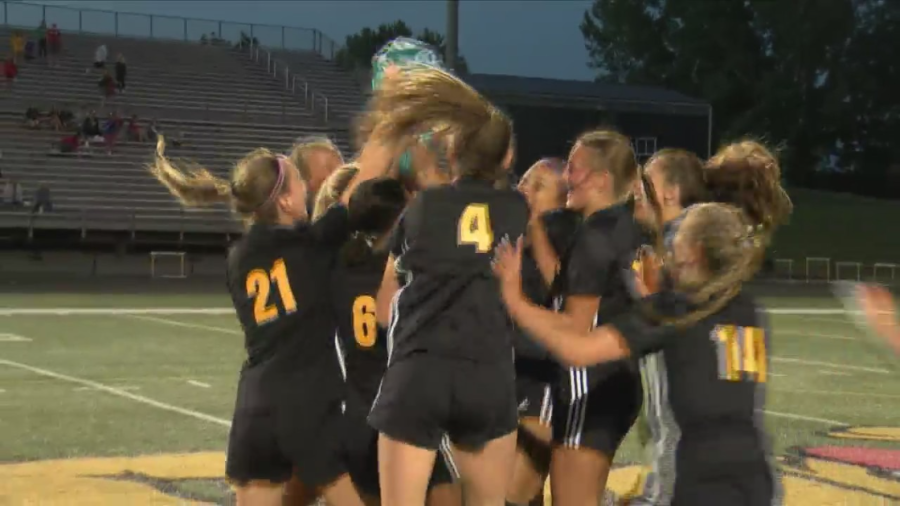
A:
[(332, 228), (643, 336), (590, 264), (561, 226)]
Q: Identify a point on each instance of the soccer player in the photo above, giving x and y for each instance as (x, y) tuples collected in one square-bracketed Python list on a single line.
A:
[(545, 191), (288, 409), (593, 407), (880, 311), (450, 368), (714, 341), (316, 158), (744, 174)]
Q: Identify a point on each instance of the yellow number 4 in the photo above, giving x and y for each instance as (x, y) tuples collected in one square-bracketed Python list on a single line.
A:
[(365, 326), (258, 286), (475, 228)]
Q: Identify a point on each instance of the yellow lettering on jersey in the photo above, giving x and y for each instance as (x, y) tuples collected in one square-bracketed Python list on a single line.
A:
[(475, 228), (365, 326), (259, 284), (741, 353)]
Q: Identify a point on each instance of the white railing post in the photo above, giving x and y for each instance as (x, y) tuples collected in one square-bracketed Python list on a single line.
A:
[(326, 108)]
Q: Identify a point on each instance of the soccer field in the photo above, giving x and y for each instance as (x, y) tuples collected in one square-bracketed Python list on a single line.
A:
[(126, 398)]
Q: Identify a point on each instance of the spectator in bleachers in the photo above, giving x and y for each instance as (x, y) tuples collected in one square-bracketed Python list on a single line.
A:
[(32, 118), (54, 41), (121, 71), (90, 126), (100, 56), (12, 192), (17, 45), (41, 35), (29, 50), (68, 144), (111, 129), (10, 71), (107, 86), (135, 132), (42, 200)]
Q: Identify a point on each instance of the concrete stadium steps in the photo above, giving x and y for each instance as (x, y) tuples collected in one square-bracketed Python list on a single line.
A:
[(119, 185), (189, 77), (346, 96)]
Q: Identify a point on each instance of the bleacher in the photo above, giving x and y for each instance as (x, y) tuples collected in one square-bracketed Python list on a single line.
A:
[(221, 100), (344, 92)]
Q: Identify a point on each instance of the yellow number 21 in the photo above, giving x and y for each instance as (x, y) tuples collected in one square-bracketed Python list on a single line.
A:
[(365, 326), (475, 228), (259, 284)]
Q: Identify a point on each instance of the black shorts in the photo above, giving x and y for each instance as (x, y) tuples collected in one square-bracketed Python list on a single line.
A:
[(361, 453), (424, 397), (740, 485), (598, 412), (534, 380), (276, 435)]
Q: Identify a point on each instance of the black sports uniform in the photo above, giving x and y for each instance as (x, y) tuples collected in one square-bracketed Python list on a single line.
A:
[(716, 372), (364, 354), (594, 407), (451, 357), (536, 371), (288, 410)]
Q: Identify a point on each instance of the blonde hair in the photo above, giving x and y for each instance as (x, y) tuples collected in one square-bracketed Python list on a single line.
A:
[(333, 188), (304, 147), (613, 153), (253, 180), (731, 253), (424, 99)]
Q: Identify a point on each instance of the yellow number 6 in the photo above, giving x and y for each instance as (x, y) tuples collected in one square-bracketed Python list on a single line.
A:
[(475, 228), (365, 326)]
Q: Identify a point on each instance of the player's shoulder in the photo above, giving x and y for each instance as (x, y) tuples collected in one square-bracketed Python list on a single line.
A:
[(742, 310)]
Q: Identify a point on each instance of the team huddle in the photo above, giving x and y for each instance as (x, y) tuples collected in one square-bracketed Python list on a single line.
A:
[(420, 332)]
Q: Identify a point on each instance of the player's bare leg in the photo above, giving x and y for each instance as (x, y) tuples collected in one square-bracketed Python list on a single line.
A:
[(532, 463), (341, 492), (447, 494), (298, 494), (578, 476), (486, 472), (259, 493), (403, 472)]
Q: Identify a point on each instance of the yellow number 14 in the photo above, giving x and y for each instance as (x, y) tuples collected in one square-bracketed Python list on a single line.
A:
[(475, 228)]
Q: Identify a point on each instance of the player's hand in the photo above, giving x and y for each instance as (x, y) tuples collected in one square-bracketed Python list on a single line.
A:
[(879, 309), (508, 269), (648, 270)]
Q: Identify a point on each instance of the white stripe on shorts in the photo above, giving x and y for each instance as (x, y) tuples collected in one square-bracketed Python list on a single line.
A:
[(446, 452)]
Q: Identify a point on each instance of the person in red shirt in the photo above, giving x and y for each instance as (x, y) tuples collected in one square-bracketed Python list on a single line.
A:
[(54, 40), (10, 70)]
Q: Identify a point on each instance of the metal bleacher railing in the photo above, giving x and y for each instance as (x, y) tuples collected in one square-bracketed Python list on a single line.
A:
[(151, 26)]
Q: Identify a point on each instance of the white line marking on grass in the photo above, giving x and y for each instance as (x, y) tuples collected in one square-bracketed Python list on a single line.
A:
[(817, 335), (167, 321), (64, 311), (2, 391), (198, 384), (834, 373), (876, 370), (791, 416), (777, 375), (837, 392), (119, 392), (125, 388), (13, 338), (806, 311)]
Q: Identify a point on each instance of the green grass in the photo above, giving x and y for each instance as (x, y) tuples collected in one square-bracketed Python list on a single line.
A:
[(163, 357), (839, 226)]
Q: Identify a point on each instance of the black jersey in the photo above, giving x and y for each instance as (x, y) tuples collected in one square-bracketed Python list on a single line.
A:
[(560, 225), (597, 263), (716, 371), (363, 341), (279, 278), (443, 246)]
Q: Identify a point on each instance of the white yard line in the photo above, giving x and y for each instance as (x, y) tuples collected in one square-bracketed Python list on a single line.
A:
[(118, 392), (166, 321), (815, 335), (6, 337), (791, 416), (126, 388), (834, 373), (101, 311), (198, 384), (789, 360), (838, 393)]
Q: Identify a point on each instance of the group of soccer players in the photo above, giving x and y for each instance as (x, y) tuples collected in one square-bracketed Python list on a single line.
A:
[(382, 362)]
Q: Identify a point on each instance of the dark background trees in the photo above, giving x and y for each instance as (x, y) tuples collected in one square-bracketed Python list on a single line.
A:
[(360, 47), (817, 79)]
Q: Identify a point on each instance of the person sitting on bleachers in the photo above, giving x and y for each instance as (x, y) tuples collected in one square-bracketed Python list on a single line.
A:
[(33, 118), (111, 129), (90, 127), (42, 201), (29, 50), (100, 56)]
